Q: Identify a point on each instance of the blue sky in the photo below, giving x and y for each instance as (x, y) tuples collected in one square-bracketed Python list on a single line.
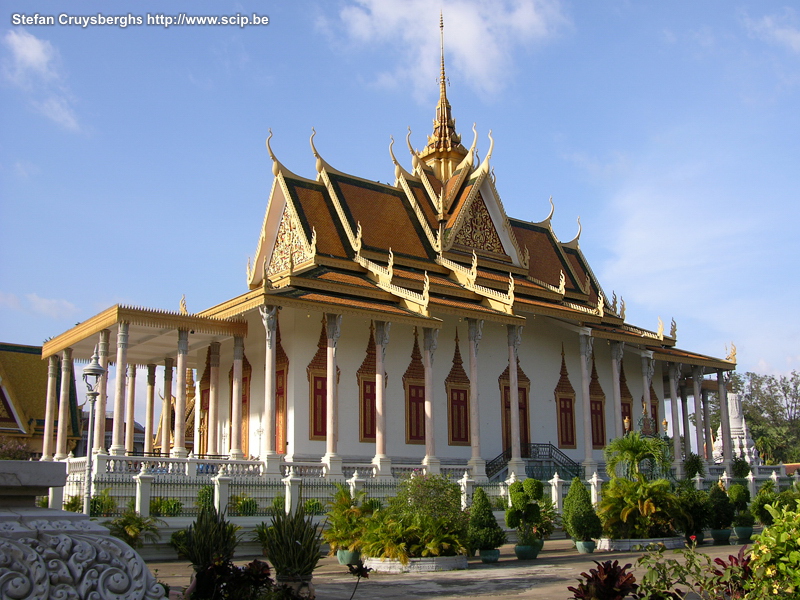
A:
[(133, 168)]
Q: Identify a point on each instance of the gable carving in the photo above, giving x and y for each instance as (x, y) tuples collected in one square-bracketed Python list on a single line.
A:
[(478, 230), (289, 249)]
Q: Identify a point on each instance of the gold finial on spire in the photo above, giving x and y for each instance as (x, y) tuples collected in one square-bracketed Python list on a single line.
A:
[(444, 150)]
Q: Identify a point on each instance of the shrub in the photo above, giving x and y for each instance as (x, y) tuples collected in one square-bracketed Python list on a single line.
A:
[(740, 467), (695, 511), (608, 581), (776, 555), (205, 497), (74, 504), (134, 529), (291, 543), (744, 519), (208, 540), (722, 510), (347, 517), (639, 509), (278, 504), (694, 465), (226, 581), (165, 507), (577, 495), (101, 504), (243, 505), (739, 496), (484, 533), (313, 506)]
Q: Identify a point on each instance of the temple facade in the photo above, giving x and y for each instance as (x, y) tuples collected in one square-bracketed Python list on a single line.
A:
[(406, 324)]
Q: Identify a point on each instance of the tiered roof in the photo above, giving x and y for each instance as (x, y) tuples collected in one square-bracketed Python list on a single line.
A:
[(436, 242)]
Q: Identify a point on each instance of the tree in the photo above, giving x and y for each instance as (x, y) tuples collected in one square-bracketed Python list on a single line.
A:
[(637, 455)]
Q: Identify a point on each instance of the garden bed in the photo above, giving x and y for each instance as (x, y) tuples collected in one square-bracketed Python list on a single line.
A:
[(417, 565), (626, 545)]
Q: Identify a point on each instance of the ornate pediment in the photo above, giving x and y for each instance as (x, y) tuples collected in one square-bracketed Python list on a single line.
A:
[(478, 230), (290, 247)]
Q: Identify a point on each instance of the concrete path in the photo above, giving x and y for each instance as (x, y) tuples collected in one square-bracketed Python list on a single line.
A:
[(558, 566)]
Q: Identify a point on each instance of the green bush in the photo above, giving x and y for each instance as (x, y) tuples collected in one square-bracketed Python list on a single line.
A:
[(291, 543), (205, 497), (693, 465), (243, 505), (639, 509), (582, 521), (347, 519), (102, 504), (74, 504), (529, 513), (483, 531), (134, 529), (722, 510), (165, 507), (313, 506), (740, 467), (695, 511), (209, 539), (776, 555), (278, 504), (740, 496), (577, 495)]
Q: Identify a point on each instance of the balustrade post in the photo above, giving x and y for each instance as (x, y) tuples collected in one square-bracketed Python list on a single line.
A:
[(555, 492), (776, 480), (698, 481), (725, 479), (55, 500), (222, 490), (467, 486), (356, 484), (751, 484), (292, 483), (144, 488)]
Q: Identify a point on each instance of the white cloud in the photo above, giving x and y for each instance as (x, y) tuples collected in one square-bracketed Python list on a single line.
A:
[(33, 66), (479, 37), (782, 30), (9, 301), (53, 308)]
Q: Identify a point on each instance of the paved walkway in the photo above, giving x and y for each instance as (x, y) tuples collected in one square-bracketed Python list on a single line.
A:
[(558, 566)]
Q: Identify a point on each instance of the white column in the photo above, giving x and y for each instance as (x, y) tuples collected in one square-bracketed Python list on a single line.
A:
[(383, 464), (212, 431), (725, 423), (236, 403), (516, 466), (332, 460), (148, 408), (648, 370), (272, 460), (166, 409), (674, 375), (699, 421), (50, 407), (117, 437), (707, 425), (130, 400), (687, 441), (179, 445), (63, 405), (587, 342), (429, 341), (617, 352), (476, 462), (102, 394)]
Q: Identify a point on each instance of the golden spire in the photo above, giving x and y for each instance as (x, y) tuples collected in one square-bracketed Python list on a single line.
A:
[(444, 150)]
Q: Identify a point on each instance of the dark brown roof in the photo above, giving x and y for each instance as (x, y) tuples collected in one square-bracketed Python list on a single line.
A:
[(316, 211)]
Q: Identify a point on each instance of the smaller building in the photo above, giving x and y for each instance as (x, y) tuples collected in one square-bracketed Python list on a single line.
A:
[(23, 397)]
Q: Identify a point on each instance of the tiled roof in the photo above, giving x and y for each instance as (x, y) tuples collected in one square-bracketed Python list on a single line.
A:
[(546, 259), (425, 203), (315, 211)]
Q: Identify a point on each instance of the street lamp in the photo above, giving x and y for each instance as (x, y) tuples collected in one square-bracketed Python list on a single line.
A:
[(91, 376)]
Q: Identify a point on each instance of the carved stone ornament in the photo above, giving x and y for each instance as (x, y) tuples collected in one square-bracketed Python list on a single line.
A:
[(475, 331), (430, 340), (289, 249), (617, 351), (269, 317), (587, 349)]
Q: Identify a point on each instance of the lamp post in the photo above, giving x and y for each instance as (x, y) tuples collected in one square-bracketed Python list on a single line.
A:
[(91, 376)]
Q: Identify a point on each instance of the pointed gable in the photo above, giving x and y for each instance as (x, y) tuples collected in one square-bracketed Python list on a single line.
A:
[(595, 391), (564, 386), (457, 374), (367, 368), (416, 370), (478, 230), (289, 249), (546, 258)]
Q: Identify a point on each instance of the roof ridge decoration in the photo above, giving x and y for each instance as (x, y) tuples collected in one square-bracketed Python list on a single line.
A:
[(399, 170), (730, 356), (383, 279), (468, 277), (401, 178), (673, 329), (461, 173), (574, 243), (660, 330)]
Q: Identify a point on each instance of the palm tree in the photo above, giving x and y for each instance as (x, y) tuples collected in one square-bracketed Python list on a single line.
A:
[(636, 454)]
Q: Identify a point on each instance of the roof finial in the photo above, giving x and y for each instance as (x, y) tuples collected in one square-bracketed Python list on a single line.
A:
[(441, 45)]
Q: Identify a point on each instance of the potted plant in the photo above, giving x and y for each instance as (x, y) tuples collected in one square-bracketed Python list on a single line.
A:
[(743, 520), (483, 531), (525, 515), (722, 513), (577, 496), (695, 513), (347, 516), (292, 544), (586, 527)]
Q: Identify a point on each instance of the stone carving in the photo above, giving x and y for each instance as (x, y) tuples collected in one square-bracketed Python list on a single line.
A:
[(289, 249)]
